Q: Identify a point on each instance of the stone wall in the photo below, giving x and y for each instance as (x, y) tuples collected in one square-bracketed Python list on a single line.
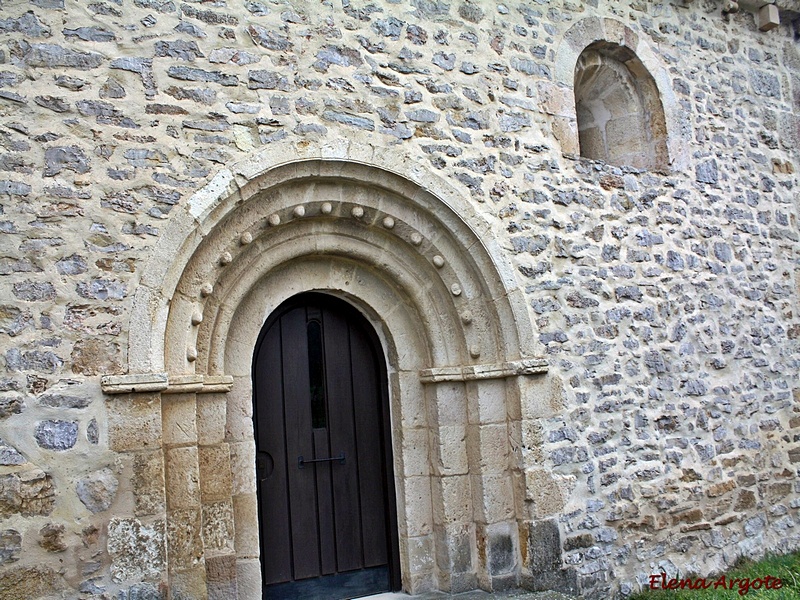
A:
[(664, 302)]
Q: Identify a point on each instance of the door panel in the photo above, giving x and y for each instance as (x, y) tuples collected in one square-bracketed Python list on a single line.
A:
[(368, 436), (299, 442), (271, 443), (328, 526), (339, 377)]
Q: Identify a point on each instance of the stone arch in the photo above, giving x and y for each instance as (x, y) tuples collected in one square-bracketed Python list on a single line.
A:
[(609, 72), (620, 118), (412, 256)]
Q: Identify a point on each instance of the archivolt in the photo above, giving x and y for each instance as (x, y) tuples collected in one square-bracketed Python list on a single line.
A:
[(436, 259)]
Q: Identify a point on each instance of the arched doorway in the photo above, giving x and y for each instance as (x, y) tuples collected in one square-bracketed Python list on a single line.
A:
[(327, 519), (465, 383)]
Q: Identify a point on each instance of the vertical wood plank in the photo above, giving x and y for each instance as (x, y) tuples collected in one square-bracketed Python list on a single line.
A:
[(327, 538), (273, 491), (299, 442), (346, 498), (367, 403)]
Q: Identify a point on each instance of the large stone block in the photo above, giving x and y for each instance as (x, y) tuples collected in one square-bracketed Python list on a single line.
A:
[(490, 443), (218, 528), (493, 497), (415, 453), (26, 493), (456, 557), (547, 492), (148, 484), (10, 546), (144, 591), (452, 450), (248, 577), (134, 422), (544, 559), (179, 412), (556, 100), (448, 403), (29, 582), (51, 537), (502, 551), (98, 490), (211, 415), (487, 401), (190, 584), (215, 472), (221, 577), (565, 130), (540, 396), (416, 503), (182, 477), (456, 499), (243, 468), (184, 539), (96, 357), (239, 416), (420, 555), (245, 516), (409, 399), (56, 434), (137, 550)]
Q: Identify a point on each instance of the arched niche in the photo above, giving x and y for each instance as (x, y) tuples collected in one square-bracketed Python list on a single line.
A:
[(423, 268), (618, 108), (611, 84)]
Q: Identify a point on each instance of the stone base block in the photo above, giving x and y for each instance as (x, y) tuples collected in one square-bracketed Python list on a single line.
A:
[(543, 569), (221, 578)]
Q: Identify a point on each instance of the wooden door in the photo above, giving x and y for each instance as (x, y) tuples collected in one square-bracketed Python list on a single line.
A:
[(325, 489)]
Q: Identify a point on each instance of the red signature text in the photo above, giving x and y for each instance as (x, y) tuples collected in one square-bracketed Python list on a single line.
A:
[(743, 586)]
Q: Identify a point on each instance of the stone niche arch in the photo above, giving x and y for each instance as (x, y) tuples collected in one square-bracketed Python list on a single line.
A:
[(465, 377), (613, 100), (620, 118)]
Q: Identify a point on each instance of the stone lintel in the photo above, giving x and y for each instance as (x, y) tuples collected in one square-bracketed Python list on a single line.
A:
[(526, 366), (162, 382)]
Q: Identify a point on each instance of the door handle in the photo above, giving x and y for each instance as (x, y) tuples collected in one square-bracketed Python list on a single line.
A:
[(302, 462), (264, 465)]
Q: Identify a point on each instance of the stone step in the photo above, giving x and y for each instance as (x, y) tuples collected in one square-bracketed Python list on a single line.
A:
[(476, 595)]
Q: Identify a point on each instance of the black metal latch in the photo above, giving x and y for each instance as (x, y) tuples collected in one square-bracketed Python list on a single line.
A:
[(301, 462)]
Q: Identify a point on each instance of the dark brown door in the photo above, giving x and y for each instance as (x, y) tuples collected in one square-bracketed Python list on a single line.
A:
[(325, 488)]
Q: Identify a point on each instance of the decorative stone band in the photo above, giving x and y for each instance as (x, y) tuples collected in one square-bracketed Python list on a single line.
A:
[(526, 366), (206, 384), (166, 384)]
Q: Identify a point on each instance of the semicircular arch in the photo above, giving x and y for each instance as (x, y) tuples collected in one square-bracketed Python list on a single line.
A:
[(612, 33), (246, 222)]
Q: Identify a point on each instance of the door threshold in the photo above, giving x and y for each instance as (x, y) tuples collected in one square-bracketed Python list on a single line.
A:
[(515, 594)]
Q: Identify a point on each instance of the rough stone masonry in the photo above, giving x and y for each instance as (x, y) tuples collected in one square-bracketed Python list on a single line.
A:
[(664, 300)]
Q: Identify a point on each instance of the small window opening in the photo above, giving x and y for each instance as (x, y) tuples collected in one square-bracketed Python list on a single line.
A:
[(619, 111), (316, 375)]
